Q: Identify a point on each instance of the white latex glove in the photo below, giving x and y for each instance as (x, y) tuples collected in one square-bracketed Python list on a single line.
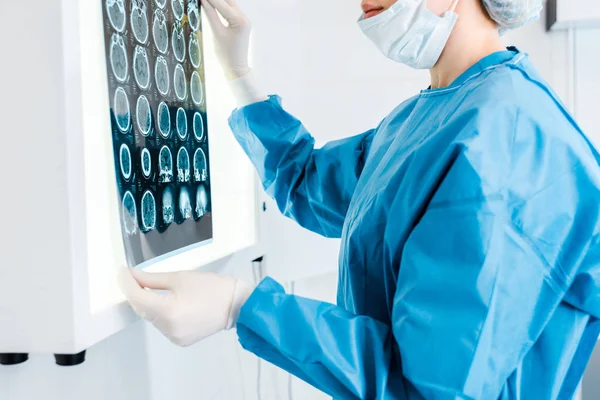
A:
[(197, 305), (232, 41)]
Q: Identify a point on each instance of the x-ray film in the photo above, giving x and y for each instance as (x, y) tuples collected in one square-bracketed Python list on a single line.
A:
[(158, 125)]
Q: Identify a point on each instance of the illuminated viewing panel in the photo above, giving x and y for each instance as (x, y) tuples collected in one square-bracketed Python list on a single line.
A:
[(158, 124)]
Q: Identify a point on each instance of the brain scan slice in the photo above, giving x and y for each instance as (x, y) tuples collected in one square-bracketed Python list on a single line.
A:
[(183, 165), (178, 10), (139, 20), (160, 32), (180, 83), (201, 201), (181, 122), (185, 204), (146, 163), (148, 211), (198, 126), (161, 74), (116, 14), (118, 57), (193, 14), (121, 110), (125, 161), (168, 208), (164, 120), (194, 51), (144, 115), (141, 67), (196, 88), (129, 213), (200, 172), (165, 165), (178, 42)]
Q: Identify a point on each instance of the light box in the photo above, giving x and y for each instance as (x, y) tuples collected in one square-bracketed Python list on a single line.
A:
[(63, 243)]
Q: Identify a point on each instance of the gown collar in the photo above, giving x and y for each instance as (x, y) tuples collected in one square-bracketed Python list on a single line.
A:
[(497, 58)]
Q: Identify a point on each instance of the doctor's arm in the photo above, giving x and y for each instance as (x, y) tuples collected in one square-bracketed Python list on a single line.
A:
[(312, 186), (473, 294)]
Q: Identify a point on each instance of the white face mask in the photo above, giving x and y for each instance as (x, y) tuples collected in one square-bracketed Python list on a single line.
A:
[(409, 33)]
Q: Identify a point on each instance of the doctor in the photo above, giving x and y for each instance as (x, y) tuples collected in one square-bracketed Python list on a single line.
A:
[(469, 222)]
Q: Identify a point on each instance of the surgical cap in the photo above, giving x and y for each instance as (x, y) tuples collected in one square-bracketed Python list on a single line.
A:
[(512, 14)]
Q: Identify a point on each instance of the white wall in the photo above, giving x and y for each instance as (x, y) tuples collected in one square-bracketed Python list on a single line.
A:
[(338, 84)]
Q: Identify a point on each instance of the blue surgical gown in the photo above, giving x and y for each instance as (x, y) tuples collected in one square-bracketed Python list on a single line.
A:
[(470, 258)]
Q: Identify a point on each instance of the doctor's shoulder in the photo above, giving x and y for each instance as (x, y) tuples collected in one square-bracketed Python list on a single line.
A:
[(515, 102)]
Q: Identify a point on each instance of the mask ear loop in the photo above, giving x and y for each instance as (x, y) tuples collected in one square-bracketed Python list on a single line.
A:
[(453, 7)]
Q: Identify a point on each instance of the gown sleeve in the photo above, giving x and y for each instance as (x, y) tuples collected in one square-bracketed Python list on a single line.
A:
[(344, 355), (311, 186)]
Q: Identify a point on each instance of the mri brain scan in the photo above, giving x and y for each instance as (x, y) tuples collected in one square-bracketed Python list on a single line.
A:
[(141, 67), (164, 120), (180, 83), (181, 122), (118, 57), (129, 213), (196, 88), (168, 208), (121, 110), (116, 14), (194, 51), (161, 74), (178, 43), (201, 201), (198, 126), (183, 165), (193, 14), (139, 20), (146, 163), (165, 165), (125, 161), (148, 211), (185, 203), (160, 32), (200, 172), (143, 115), (177, 7), (153, 52)]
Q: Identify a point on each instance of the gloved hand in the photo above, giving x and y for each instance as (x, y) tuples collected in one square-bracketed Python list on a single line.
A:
[(232, 40), (198, 304), (231, 45)]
